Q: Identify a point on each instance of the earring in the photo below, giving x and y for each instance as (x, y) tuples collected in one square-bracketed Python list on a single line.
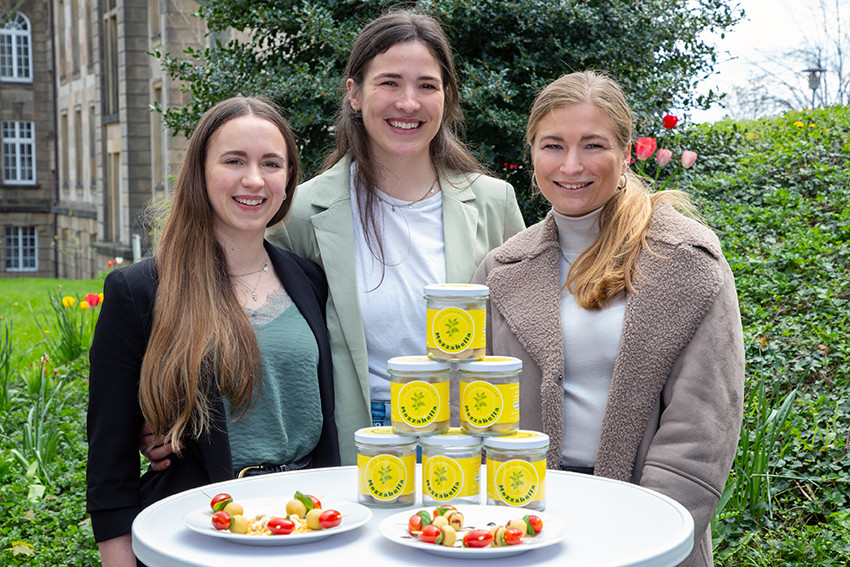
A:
[(534, 180), (623, 184)]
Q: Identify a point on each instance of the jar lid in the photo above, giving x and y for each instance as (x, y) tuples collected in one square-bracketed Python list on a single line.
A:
[(457, 290), (416, 364), (522, 439), (454, 437), (382, 436), (491, 364)]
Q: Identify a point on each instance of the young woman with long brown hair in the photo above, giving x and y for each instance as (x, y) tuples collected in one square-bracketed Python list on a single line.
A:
[(219, 341)]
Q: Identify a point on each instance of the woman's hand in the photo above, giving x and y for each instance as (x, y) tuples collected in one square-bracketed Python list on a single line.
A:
[(117, 552), (156, 451)]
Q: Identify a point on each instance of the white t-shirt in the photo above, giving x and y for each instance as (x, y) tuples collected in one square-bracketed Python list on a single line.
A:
[(591, 343), (393, 309)]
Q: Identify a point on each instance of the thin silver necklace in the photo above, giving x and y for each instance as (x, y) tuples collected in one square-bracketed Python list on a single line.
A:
[(561, 252), (264, 268), (430, 191)]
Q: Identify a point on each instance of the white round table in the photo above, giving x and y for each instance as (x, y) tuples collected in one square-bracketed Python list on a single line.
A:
[(609, 523)]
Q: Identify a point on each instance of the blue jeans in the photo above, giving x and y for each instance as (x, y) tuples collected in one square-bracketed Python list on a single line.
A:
[(380, 413)]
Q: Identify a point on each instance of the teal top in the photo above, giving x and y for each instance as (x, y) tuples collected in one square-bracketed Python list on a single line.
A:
[(285, 422)]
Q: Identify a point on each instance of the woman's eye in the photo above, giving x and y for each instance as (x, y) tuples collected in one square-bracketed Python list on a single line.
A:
[(389, 83), (273, 164), (430, 86), (232, 161), (551, 147)]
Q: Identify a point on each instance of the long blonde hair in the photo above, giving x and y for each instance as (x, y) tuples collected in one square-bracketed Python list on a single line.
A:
[(200, 337), (608, 267)]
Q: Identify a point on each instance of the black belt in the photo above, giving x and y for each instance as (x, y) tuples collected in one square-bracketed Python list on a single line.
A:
[(571, 468), (257, 470)]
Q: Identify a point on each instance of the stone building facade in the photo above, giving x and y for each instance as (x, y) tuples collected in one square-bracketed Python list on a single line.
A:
[(27, 142), (105, 154)]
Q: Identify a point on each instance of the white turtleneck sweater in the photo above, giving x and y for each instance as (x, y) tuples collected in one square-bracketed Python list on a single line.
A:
[(591, 343)]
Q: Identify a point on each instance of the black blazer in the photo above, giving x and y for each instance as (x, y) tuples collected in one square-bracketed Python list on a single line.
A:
[(116, 493)]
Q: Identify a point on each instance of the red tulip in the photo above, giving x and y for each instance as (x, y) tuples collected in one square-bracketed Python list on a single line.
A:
[(664, 156), (93, 299), (670, 121), (644, 147), (688, 158)]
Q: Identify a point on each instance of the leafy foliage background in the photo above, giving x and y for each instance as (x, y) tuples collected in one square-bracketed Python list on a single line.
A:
[(294, 51)]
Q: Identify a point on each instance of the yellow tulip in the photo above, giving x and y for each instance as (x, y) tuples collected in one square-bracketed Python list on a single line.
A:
[(84, 304), (798, 124), (68, 301)]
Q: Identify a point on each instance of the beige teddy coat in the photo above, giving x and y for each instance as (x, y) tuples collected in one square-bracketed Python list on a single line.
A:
[(675, 406)]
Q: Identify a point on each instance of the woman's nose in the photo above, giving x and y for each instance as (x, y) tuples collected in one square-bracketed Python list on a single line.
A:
[(253, 177), (408, 101)]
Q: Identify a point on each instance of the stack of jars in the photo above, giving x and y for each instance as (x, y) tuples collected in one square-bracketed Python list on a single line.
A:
[(488, 401)]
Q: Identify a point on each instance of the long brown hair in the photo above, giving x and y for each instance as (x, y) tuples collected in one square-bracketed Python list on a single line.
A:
[(200, 337), (608, 267), (448, 153)]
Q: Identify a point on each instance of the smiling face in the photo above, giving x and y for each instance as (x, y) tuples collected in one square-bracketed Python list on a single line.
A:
[(245, 174), (401, 99), (577, 159)]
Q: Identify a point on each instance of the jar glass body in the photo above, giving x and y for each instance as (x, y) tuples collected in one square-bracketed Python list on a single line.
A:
[(456, 327), (386, 471), (489, 402), (451, 474), (516, 477), (419, 402)]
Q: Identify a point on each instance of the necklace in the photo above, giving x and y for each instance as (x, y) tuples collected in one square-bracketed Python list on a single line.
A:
[(561, 252), (430, 191), (261, 271)]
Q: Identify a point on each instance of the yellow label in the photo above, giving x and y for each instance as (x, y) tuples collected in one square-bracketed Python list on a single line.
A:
[(482, 404), (454, 330), (444, 478), (516, 482), (386, 477), (419, 403)]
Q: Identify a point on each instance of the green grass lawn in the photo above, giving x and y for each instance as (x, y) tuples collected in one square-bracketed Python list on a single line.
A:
[(24, 296)]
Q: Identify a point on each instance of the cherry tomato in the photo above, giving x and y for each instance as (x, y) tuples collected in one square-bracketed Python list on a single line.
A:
[(280, 526), (416, 521), (441, 510), (219, 501), (431, 534), (513, 536), (535, 524), (221, 520), (315, 501), (477, 538), (329, 519)]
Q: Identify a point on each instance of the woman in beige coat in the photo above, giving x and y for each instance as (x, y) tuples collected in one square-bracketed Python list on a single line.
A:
[(623, 311)]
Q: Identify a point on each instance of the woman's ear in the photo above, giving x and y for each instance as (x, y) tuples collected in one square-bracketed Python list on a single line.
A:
[(351, 87), (627, 158)]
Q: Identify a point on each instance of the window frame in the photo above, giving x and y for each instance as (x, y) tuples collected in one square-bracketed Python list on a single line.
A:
[(18, 33), (17, 252), (17, 142)]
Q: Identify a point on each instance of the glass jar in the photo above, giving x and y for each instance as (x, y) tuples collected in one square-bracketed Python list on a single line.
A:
[(451, 468), (489, 395), (386, 468), (456, 321), (516, 469), (419, 395)]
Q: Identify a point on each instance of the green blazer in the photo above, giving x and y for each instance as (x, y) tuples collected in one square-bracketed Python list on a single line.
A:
[(479, 214)]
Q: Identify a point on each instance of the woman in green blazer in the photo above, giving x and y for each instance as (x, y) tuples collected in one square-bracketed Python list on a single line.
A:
[(400, 204)]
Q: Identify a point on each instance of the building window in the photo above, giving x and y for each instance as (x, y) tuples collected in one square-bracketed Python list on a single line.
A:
[(16, 50), (110, 67), (18, 152), (157, 142), (65, 151), (75, 36), (21, 249), (78, 146)]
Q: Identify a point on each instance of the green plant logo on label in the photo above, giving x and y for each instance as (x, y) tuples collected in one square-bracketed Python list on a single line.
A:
[(385, 477), (453, 329), (516, 482), (418, 403), (443, 477), (482, 403)]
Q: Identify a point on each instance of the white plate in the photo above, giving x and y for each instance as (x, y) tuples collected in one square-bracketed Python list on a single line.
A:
[(353, 516), (394, 528)]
